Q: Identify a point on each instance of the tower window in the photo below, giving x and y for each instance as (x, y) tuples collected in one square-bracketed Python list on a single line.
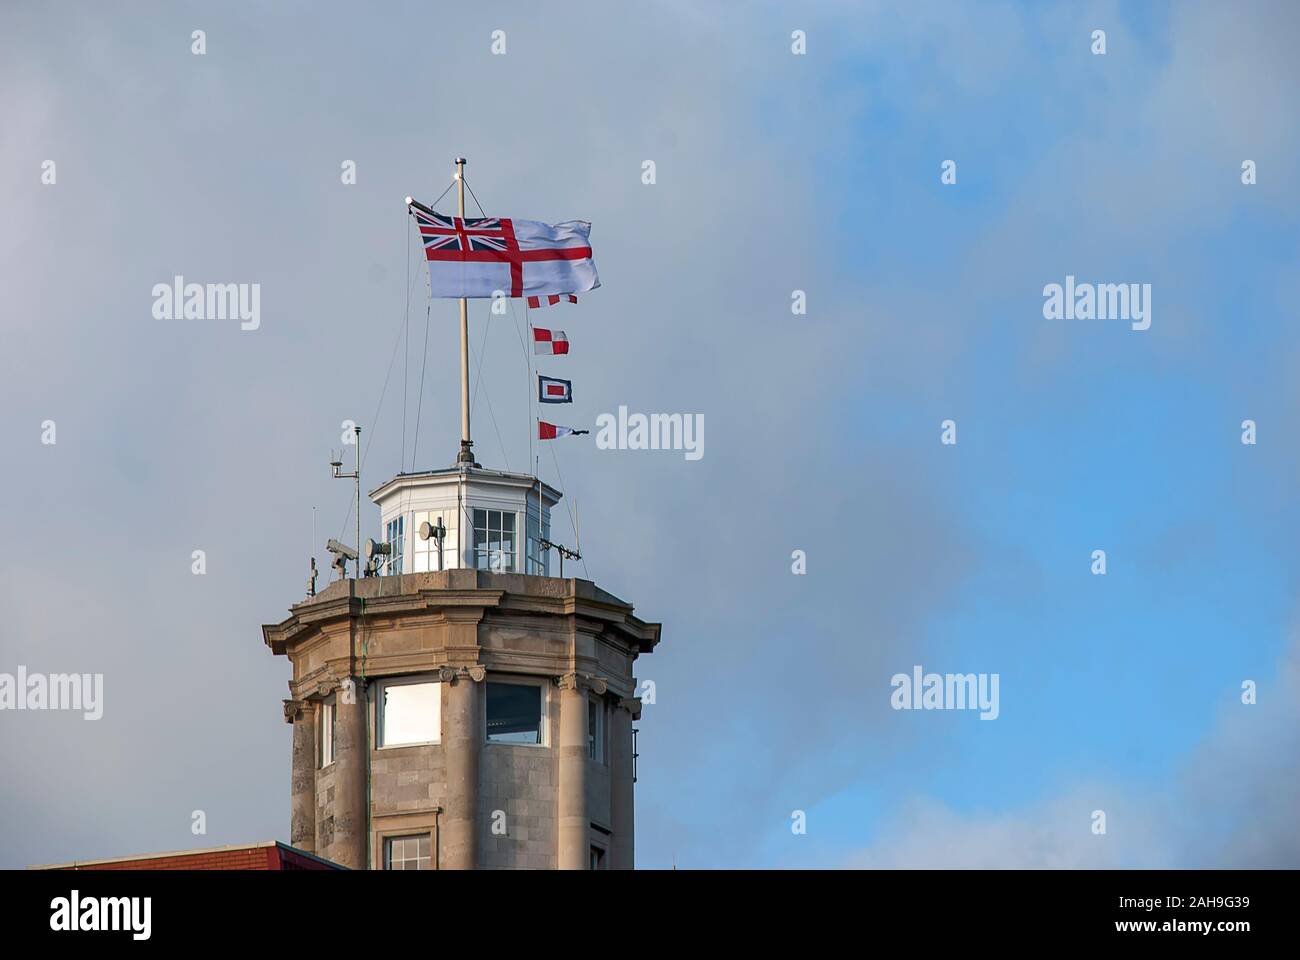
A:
[(495, 546), (539, 529), (425, 553), (326, 733), (596, 730), (597, 861), (395, 534), (408, 853), (514, 713), (409, 713)]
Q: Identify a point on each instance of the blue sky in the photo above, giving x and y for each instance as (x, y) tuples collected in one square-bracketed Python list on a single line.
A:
[(1123, 441), (775, 173)]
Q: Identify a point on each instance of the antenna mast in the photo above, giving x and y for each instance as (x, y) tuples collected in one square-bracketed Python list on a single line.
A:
[(355, 477), (466, 455)]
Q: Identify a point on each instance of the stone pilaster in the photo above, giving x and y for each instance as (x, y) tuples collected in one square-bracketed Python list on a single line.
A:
[(574, 846), (302, 787), (622, 807), (462, 747), (351, 741)]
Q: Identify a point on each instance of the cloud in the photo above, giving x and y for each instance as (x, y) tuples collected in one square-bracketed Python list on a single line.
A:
[(1232, 805), (225, 168), (176, 436)]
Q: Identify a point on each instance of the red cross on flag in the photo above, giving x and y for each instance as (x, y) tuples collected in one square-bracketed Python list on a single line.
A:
[(475, 257), (549, 341)]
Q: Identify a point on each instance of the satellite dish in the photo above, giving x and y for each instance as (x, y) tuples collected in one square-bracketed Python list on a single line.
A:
[(372, 548)]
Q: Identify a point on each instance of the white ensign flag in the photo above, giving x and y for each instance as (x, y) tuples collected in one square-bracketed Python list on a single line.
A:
[(477, 257)]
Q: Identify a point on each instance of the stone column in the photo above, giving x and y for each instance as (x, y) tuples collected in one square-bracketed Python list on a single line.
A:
[(622, 812), (462, 745), (302, 787), (351, 742), (574, 845)]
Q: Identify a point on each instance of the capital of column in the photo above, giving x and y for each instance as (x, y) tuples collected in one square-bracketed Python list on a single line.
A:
[(631, 704), (327, 686), (294, 709), (477, 673), (347, 689)]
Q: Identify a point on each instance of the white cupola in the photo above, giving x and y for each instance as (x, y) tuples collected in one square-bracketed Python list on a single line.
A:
[(464, 516)]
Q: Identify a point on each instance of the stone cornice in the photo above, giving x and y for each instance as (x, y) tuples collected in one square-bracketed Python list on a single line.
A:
[(463, 596), (456, 606)]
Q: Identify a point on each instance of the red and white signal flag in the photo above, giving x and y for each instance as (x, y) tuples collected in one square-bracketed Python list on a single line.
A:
[(549, 341), (478, 256), (535, 303), (550, 431), (553, 390)]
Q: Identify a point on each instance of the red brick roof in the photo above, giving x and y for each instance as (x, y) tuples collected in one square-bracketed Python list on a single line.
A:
[(269, 855)]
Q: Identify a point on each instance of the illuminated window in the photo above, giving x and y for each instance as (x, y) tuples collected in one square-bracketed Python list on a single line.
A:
[(409, 712), (326, 734)]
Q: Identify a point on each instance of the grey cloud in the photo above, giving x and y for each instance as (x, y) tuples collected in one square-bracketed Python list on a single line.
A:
[(176, 436)]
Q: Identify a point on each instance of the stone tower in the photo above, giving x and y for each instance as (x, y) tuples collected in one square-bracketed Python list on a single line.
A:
[(462, 708)]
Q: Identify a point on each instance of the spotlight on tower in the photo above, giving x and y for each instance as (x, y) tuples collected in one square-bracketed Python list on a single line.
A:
[(429, 531)]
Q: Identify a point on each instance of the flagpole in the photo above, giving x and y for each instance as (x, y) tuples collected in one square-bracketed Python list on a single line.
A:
[(466, 455)]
